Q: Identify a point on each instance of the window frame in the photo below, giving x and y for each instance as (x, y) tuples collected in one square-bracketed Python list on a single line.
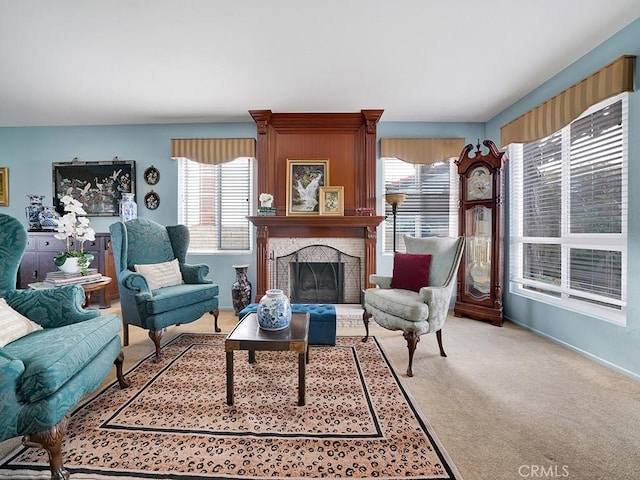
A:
[(611, 242), (387, 229), (217, 206)]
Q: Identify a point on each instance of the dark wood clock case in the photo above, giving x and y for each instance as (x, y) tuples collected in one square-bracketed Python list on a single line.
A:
[(480, 277)]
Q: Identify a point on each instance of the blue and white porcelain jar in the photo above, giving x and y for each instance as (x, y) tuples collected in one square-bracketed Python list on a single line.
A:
[(274, 310), (128, 207)]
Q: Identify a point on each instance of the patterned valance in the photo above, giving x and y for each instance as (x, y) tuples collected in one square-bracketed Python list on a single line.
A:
[(561, 110), (213, 150), (421, 150)]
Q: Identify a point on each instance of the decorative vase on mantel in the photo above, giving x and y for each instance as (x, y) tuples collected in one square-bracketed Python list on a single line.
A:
[(241, 288), (274, 310), (33, 211)]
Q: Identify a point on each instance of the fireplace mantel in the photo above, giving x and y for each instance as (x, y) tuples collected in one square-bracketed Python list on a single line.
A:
[(315, 222), (279, 226)]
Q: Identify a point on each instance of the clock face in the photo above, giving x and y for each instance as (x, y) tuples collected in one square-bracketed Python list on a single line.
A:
[(479, 184)]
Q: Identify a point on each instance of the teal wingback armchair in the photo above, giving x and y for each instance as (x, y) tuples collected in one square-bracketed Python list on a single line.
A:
[(145, 242), (425, 311), (45, 373)]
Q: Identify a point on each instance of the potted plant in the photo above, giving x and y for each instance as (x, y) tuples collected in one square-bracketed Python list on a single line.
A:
[(74, 227)]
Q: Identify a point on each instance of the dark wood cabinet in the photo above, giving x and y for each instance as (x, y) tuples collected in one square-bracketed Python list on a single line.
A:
[(481, 223), (43, 246)]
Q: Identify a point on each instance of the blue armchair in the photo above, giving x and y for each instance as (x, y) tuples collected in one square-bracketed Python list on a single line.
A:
[(147, 243), (45, 373)]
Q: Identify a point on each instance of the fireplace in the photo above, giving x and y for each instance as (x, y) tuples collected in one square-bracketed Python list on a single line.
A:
[(318, 274)]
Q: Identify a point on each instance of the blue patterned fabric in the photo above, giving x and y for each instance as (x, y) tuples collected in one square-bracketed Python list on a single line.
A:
[(142, 241), (13, 243), (45, 374), (322, 320), (54, 355), (52, 307)]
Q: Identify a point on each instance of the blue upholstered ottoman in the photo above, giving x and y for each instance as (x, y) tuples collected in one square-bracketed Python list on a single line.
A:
[(322, 320)]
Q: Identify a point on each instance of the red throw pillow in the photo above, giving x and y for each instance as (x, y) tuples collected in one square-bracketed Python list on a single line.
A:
[(410, 271)]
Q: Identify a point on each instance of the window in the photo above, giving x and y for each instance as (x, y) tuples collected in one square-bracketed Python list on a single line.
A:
[(431, 206), (213, 202), (568, 199)]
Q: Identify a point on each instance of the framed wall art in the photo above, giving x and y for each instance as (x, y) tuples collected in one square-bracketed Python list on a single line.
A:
[(151, 175), (304, 179), (97, 185), (152, 200), (331, 200), (4, 186)]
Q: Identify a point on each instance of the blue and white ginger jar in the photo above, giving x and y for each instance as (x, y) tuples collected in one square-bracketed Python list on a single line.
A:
[(274, 310), (128, 207)]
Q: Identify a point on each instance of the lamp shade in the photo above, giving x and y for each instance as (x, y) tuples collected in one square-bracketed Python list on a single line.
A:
[(395, 198)]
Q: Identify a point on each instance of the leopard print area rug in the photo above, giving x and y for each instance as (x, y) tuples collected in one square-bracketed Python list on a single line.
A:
[(174, 423)]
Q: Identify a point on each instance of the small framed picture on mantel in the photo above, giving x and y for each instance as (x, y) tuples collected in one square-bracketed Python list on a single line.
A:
[(332, 200)]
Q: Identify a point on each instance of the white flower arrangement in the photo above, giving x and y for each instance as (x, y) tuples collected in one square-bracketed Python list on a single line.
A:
[(74, 226), (265, 199)]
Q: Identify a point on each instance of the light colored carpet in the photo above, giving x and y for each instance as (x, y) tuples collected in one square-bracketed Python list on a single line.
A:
[(506, 404)]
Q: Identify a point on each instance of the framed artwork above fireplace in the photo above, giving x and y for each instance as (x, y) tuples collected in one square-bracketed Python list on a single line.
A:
[(304, 179)]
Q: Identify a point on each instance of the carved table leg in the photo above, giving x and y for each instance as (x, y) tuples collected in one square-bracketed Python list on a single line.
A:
[(365, 319), (123, 382), (157, 337), (51, 440), (215, 314), (412, 339)]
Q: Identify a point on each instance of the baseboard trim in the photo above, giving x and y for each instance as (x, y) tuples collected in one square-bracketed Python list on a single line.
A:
[(584, 353)]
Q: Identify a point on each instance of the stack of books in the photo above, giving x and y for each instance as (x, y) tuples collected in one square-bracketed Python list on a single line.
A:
[(59, 278), (269, 211)]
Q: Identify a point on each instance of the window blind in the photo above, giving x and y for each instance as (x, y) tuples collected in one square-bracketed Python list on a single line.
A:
[(569, 211), (430, 208), (213, 202)]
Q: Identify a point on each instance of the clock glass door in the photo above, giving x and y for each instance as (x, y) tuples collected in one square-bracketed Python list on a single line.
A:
[(478, 223)]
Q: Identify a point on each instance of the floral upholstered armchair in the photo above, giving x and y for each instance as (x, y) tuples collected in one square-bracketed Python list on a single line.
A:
[(52, 353), (157, 287), (416, 298)]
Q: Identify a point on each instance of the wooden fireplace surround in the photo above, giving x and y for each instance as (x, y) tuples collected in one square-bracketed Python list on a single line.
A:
[(348, 141)]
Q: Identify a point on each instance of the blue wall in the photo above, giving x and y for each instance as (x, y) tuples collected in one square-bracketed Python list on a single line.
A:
[(29, 152), (607, 343)]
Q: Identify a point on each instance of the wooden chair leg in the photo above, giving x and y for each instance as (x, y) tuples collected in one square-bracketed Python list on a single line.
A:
[(412, 339), (157, 337), (365, 319), (439, 337), (51, 440), (125, 332), (215, 314), (119, 361)]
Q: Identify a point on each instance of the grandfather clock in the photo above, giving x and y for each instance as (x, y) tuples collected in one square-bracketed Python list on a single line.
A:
[(481, 222)]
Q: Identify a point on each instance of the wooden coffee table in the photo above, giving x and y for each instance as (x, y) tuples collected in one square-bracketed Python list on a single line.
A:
[(247, 335)]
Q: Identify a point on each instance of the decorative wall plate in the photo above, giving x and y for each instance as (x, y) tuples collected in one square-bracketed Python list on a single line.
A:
[(151, 175), (152, 200)]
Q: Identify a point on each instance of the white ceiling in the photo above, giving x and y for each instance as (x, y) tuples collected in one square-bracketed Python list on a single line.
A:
[(91, 62)]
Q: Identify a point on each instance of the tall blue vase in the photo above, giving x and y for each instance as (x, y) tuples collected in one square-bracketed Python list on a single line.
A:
[(274, 311)]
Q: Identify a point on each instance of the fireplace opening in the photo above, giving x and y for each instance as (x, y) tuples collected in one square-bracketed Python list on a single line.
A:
[(317, 282), (319, 274)]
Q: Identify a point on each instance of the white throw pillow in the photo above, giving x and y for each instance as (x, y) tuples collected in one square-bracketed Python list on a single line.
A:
[(160, 275), (13, 325)]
